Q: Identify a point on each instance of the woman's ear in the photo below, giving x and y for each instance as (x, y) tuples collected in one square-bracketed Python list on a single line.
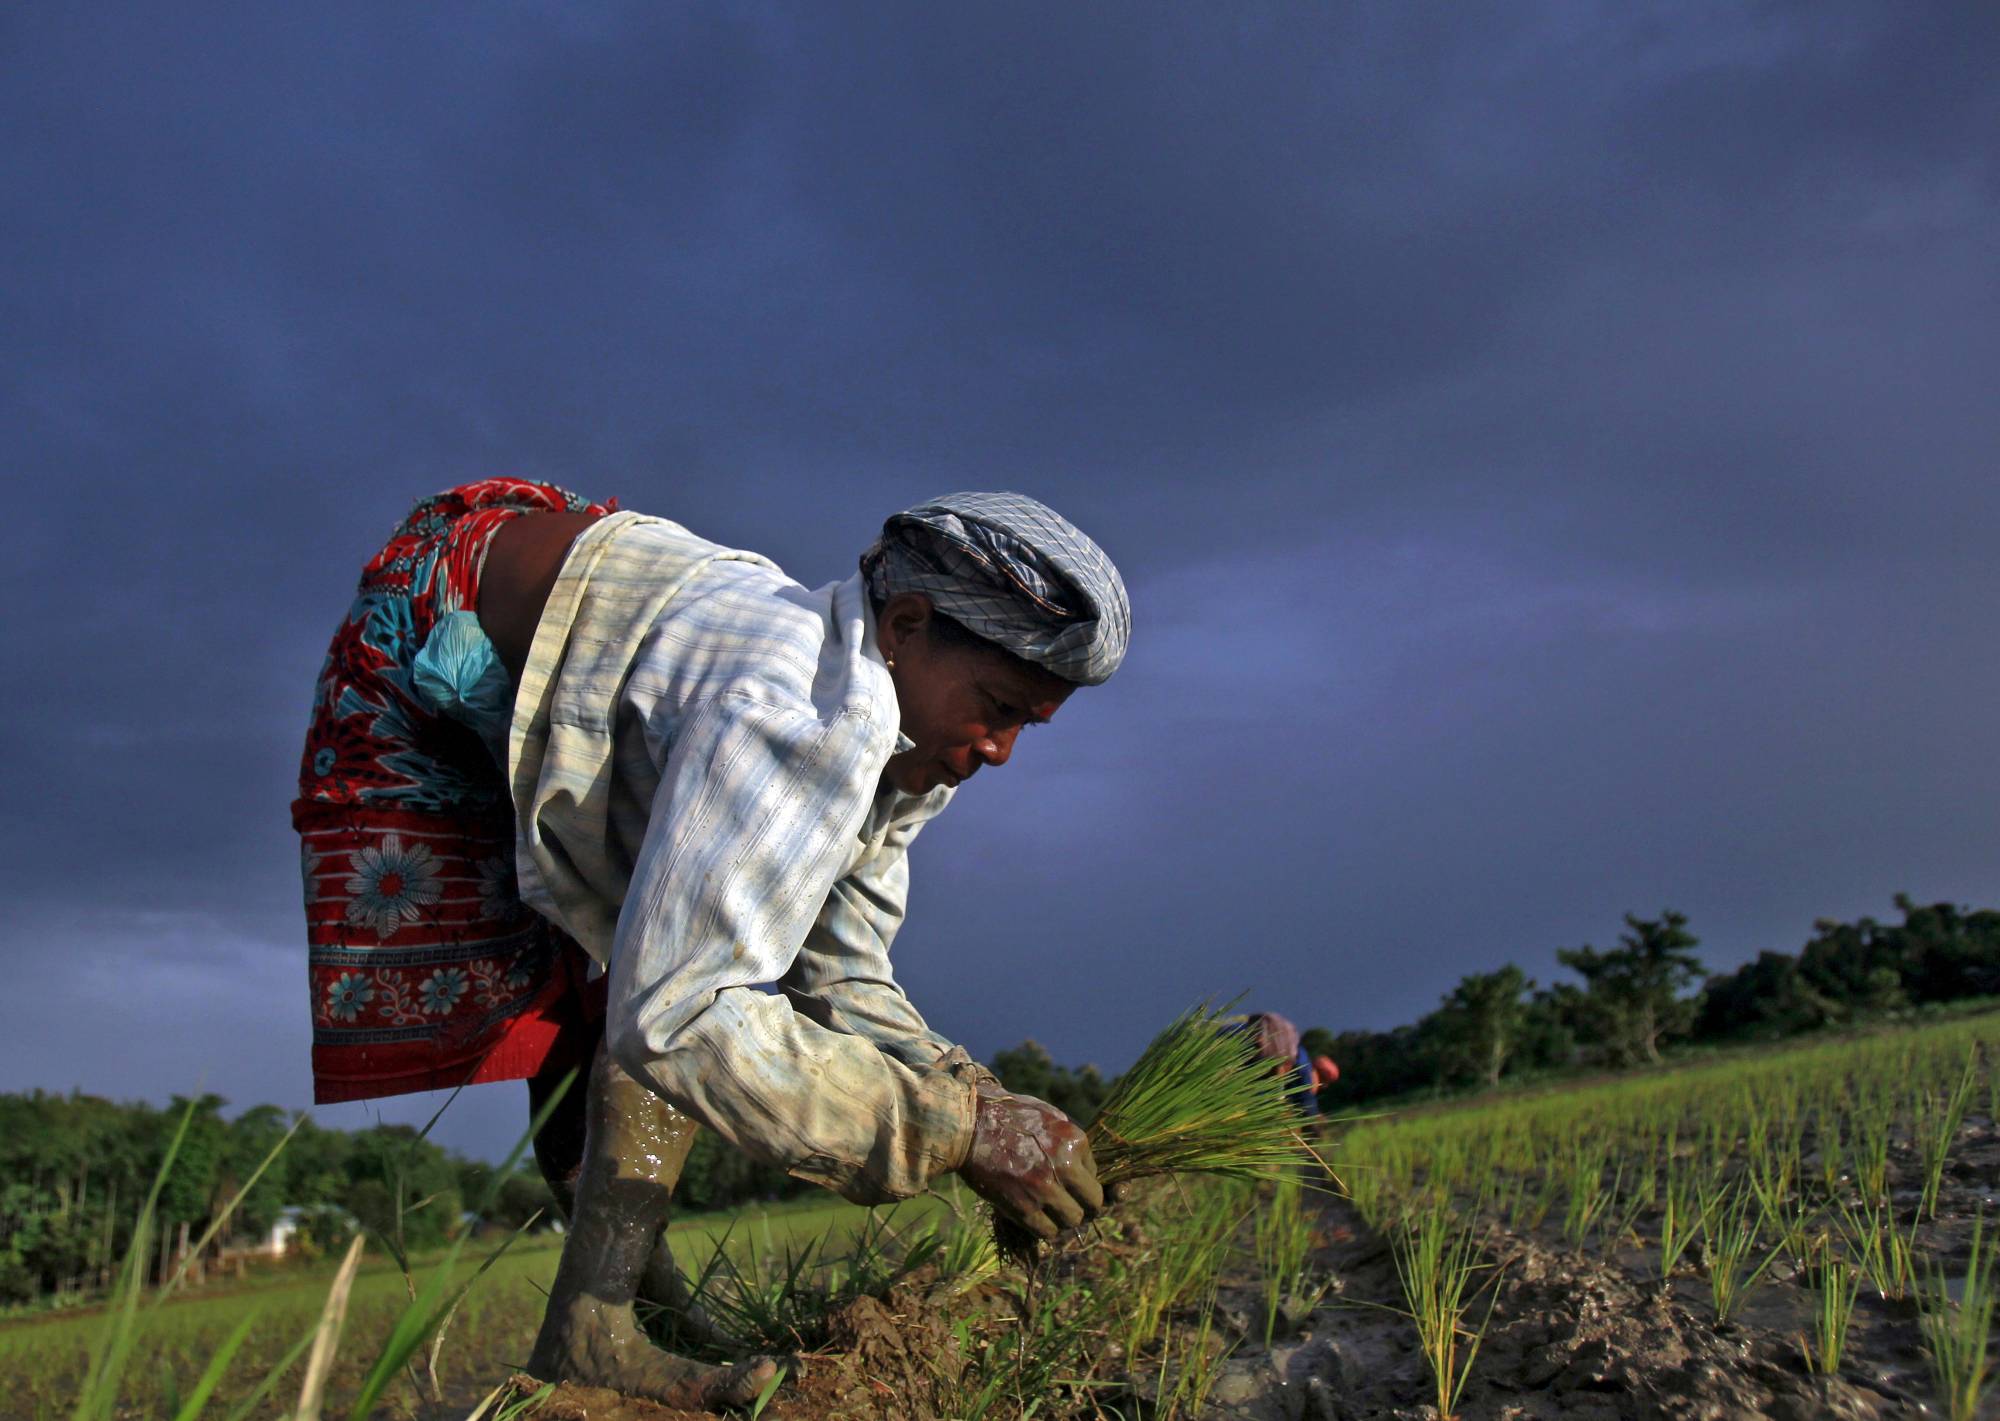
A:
[(904, 618)]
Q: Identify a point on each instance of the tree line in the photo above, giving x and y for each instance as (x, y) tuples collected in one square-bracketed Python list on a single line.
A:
[(1651, 992)]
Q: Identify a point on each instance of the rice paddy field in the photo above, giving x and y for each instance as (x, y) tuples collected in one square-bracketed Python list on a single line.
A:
[(45, 1361), (1798, 1232), (1795, 1233)]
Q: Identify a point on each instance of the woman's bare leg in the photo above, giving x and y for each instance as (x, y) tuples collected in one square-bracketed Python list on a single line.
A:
[(559, 1153), (634, 1147)]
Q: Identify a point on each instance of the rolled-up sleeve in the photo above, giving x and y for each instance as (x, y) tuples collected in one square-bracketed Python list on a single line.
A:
[(748, 832)]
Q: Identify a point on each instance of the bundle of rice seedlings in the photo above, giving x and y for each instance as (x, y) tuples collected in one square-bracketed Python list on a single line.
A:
[(1199, 1100)]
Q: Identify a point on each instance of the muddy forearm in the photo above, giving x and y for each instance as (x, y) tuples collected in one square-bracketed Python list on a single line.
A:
[(823, 1105)]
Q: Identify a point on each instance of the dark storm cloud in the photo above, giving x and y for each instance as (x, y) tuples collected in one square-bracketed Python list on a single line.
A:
[(1549, 448)]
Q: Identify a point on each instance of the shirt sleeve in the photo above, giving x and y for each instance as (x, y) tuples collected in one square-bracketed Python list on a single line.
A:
[(747, 832), (842, 978)]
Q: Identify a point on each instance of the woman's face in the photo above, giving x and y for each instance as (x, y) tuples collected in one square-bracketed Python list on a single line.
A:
[(963, 705)]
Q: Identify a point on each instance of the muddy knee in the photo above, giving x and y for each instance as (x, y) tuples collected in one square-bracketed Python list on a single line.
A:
[(647, 1136)]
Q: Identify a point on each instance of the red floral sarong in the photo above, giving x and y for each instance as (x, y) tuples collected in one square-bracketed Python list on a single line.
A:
[(427, 971)]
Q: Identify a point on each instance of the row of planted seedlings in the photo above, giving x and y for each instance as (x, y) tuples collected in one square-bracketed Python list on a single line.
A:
[(1825, 1163)]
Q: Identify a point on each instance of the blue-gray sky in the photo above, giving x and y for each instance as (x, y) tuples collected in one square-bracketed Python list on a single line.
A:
[(1550, 447)]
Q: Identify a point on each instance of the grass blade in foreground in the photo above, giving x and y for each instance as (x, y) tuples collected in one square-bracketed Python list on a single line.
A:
[(1956, 1335), (438, 1296), (99, 1398), (326, 1340)]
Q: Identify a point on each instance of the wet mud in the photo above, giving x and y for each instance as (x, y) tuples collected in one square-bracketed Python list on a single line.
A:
[(1594, 1334), (1588, 1334)]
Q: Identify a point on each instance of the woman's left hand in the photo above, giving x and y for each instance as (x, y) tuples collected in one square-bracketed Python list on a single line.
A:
[(1032, 1162)]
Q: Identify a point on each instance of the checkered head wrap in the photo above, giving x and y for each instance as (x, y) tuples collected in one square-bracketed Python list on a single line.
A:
[(1013, 571)]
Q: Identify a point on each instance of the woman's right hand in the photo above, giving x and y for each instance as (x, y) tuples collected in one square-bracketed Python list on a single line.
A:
[(1032, 1163)]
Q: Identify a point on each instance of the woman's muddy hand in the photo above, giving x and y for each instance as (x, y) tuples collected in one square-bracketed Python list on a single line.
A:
[(1032, 1163)]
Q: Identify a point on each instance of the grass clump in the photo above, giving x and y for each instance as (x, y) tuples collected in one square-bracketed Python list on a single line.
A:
[(1957, 1335), (1838, 1284), (1730, 1235), (1283, 1241), (773, 1298), (1437, 1257)]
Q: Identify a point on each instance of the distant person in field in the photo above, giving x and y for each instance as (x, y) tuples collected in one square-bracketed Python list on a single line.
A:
[(583, 789), (1277, 1040)]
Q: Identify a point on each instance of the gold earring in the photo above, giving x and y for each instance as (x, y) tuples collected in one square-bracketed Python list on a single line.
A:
[(890, 662)]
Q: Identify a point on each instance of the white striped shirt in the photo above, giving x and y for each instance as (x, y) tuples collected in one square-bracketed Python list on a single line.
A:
[(696, 757)]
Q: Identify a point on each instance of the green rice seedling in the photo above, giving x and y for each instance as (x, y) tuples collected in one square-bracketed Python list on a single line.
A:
[(1836, 1288), (1194, 1377), (1545, 1200), (1645, 1192), (769, 1301), (1828, 1140), (767, 1391), (1185, 1262), (1642, 1198), (1956, 1335), (1283, 1241), (782, 1298), (1437, 1259), (1684, 1214), (1050, 1349), (1886, 1254), (1771, 1177), (1780, 1211), (1756, 1126), (395, 1241), (1366, 1189), (99, 1397), (1587, 1197), (1790, 1139), (1937, 1126), (878, 1256), (441, 1295), (969, 1383), (109, 1358), (1718, 1136), (1729, 1239), (966, 1256), (1873, 1123)]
